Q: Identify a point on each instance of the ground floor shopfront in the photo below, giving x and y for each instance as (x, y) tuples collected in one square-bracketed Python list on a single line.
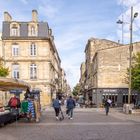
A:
[(119, 96)]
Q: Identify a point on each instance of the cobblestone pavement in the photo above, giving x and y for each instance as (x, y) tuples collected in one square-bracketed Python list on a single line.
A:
[(88, 124)]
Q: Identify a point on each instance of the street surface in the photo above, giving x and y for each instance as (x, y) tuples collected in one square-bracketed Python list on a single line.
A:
[(88, 124)]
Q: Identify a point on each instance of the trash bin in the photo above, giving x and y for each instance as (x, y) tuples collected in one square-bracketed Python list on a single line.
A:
[(127, 108)]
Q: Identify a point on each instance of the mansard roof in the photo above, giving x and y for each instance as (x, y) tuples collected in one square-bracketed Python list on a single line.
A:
[(43, 30)]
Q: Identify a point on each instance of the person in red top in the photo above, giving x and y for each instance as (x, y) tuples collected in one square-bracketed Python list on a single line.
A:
[(14, 102)]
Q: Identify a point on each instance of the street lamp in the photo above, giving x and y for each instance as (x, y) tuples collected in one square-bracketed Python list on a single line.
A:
[(130, 51), (133, 16), (121, 22)]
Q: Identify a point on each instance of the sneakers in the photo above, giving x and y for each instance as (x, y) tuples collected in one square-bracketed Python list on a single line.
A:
[(57, 118), (71, 118)]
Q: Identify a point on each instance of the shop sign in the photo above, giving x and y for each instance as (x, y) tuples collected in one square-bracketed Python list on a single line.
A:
[(110, 90), (15, 91)]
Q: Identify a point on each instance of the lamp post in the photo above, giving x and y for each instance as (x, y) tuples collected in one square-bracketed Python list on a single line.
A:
[(133, 16), (130, 52)]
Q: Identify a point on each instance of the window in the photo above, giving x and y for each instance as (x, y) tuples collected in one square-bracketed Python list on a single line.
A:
[(15, 50), (33, 50), (33, 71), (33, 32), (15, 71), (14, 31)]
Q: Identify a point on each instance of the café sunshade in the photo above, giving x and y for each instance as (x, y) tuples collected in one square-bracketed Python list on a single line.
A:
[(7, 84)]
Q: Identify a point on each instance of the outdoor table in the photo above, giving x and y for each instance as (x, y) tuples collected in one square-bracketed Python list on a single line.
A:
[(5, 117)]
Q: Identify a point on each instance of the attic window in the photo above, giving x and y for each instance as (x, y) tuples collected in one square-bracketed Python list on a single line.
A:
[(14, 31)]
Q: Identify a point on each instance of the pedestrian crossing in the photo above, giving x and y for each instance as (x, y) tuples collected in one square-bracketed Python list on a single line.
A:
[(57, 123)]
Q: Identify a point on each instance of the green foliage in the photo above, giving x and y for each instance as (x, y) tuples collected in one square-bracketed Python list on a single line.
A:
[(3, 71), (135, 72), (76, 90)]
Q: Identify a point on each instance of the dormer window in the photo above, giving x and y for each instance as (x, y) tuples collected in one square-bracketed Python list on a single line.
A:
[(33, 32), (14, 30), (32, 29)]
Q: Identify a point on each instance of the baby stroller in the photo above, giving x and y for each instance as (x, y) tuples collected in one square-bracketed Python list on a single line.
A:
[(61, 115)]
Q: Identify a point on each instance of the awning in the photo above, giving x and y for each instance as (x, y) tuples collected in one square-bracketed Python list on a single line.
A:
[(7, 84)]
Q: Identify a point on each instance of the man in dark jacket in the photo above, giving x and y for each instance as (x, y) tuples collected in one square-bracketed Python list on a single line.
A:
[(57, 105), (70, 107), (107, 105)]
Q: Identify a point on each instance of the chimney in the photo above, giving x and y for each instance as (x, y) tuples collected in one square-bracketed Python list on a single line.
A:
[(50, 32), (7, 16), (34, 15)]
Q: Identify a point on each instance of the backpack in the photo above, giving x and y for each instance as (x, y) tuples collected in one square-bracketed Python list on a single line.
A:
[(56, 103), (14, 102)]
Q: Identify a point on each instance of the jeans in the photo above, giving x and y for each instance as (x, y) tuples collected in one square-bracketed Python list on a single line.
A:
[(107, 110), (70, 112), (57, 110)]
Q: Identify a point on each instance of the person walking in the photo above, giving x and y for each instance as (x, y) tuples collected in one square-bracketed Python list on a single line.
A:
[(107, 105), (70, 106), (56, 106)]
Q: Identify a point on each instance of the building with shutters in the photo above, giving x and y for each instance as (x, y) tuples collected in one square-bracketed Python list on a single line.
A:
[(28, 49)]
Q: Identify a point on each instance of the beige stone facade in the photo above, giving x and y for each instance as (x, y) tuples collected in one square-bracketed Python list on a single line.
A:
[(105, 71), (82, 78), (30, 53)]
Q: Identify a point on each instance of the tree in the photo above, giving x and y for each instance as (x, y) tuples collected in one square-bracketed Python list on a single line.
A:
[(136, 72), (76, 90), (3, 71)]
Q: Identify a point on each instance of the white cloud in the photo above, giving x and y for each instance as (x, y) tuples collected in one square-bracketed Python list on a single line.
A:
[(24, 1), (49, 8), (68, 40), (128, 3)]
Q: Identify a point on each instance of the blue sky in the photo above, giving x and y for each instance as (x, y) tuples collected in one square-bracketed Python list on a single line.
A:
[(73, 22)]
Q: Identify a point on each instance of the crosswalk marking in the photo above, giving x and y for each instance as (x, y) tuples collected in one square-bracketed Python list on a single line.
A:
[(77, 124)]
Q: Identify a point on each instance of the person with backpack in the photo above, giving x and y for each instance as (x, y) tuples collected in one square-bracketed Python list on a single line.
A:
[(14, 102), (56, 106), (70, 106)]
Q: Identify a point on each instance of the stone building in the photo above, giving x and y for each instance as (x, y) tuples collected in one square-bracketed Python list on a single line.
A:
[(64, 81), (82, 79), (106, 68), (31, 55)]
